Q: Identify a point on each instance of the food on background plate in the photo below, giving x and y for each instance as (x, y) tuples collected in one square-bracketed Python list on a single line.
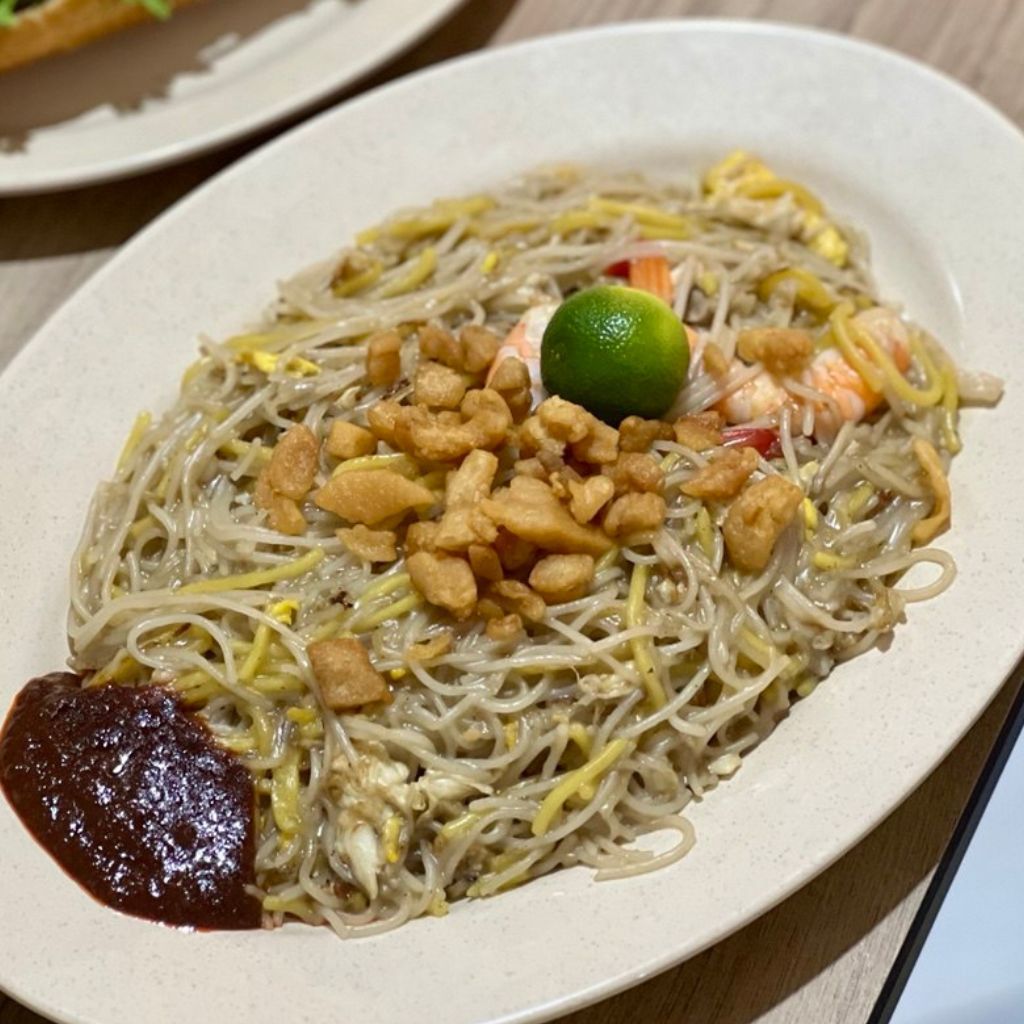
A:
[(33, 29), (469, 605)]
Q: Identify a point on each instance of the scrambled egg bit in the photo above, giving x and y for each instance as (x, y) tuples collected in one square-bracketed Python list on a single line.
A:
[(743, 175)]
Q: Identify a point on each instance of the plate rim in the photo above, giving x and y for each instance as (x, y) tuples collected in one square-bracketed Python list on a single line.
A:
[(654, 965), (429, 15)]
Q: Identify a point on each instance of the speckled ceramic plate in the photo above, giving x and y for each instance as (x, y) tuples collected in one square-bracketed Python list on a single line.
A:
[(212, 74), (935, 176)]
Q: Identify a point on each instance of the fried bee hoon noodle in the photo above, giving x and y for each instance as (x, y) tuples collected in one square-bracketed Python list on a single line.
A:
[(480, 637)]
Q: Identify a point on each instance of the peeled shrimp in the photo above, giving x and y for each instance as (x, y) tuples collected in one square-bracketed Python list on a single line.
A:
[(760, 396), (523, 342), (829, 373)]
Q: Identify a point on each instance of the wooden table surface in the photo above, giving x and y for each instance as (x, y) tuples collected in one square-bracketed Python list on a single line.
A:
[(823, 955)]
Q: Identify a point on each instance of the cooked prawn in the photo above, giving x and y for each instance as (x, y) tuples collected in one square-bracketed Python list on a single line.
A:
[(830, 373), (523, 342), (652, 274), (760, 396)]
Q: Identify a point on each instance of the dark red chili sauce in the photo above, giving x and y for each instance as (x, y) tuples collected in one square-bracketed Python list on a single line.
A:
[(129, 794)]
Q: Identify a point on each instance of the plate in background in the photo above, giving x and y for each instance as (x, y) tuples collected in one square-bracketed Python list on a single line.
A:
[(937, 179), (161, 92)]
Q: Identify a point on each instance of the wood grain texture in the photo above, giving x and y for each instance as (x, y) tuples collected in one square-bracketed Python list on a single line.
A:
[(821, 956)]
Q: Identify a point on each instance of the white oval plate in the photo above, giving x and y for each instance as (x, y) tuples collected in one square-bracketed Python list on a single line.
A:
[(936, 177), (212, 74)]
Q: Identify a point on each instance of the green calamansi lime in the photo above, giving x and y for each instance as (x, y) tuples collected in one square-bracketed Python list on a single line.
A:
[(617, 352)]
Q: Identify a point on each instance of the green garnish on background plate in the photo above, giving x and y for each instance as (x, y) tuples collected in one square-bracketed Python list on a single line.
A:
[(9, 9)]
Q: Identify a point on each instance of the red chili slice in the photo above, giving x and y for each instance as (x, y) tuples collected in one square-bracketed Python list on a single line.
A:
[(765, 440)]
